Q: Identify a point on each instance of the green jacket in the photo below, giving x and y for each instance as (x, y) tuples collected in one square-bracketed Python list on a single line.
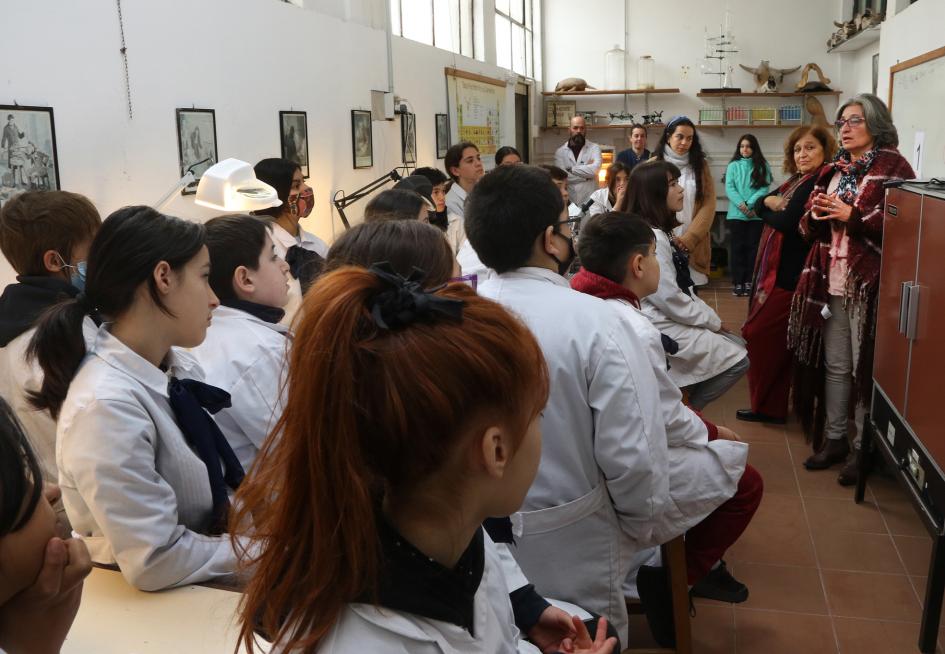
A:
[(738, 188)]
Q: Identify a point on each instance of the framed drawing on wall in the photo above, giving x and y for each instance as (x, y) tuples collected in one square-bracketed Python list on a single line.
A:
[(408, 138), (442, 135), (28, 158), (196, 143), (293, 137), (362, 141)]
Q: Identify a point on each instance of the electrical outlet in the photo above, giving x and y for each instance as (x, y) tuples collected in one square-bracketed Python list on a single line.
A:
[(891, 433), (915, 469)]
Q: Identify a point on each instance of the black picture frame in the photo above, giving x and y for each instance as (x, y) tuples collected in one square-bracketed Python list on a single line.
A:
[(442, 125), (408, 138), (194, 151), (362, 139), (293, 138), (29, 159)]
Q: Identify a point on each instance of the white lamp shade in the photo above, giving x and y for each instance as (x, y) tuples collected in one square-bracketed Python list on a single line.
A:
[(231, 185)]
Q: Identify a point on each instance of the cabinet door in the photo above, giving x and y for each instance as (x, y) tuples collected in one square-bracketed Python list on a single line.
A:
[(900, 248), (924, 407)]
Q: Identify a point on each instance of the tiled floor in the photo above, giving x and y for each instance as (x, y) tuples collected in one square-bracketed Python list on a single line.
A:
[(825, 574)]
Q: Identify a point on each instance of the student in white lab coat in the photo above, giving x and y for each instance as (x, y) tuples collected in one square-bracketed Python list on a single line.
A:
[(710, 359), (145, 472), (560, 179), (411, 417), (612, 196), (464, 166), (244, 352), (45, 235), (603, 482), (302, 250), (581, 159), (715, 494)]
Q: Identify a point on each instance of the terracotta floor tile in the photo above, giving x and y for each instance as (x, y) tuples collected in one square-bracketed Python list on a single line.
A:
[(901, 518), (873, 636), (774, 463), (772, 632), (818, 483), (777, 534), (919, 584), (781, 588), (884, 488), (850, 550), (845, 514), (869, 595), (915, 551), (713, 629), (756, 432)]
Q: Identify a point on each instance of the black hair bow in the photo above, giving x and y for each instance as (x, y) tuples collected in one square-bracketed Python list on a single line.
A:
[(404, 301)]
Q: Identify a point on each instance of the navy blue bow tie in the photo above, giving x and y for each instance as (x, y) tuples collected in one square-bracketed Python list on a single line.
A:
[(191, 401)]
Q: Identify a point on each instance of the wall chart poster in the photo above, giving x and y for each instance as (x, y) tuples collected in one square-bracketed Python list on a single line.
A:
[(476, 106)]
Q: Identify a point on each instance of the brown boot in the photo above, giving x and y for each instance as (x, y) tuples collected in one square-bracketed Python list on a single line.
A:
[(834, 451), (850, 472)]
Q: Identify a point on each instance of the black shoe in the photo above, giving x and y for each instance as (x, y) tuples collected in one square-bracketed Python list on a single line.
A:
[(834, 451), (720, 585), (750, 416), (657, 600), (850, 472), (737, 290)]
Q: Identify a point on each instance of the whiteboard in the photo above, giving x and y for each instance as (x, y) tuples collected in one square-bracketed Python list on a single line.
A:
[(917, 97), (476, 106)]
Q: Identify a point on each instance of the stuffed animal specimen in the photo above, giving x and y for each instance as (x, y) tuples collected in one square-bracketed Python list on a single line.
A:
[(572, 84), (767, 79)]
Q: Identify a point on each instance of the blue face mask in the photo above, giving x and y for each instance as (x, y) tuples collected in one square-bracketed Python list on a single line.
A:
[(77, 275)]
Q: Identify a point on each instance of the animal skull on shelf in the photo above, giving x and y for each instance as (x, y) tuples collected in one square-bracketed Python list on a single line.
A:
[(768, 79)]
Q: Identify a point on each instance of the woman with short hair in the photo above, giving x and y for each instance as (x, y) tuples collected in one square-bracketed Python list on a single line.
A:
[(833, 314)]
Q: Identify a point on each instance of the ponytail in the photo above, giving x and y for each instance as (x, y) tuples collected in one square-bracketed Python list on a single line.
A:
[(59, 347), (369, 413)]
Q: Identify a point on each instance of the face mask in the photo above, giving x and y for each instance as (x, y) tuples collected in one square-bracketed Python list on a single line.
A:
[(76, 272), (304, 203), (563, 266)]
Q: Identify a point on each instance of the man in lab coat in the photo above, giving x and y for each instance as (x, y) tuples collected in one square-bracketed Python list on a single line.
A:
[(603, 480), (581, 159)]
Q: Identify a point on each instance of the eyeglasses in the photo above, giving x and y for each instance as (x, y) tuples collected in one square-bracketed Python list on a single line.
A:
[(852, 121)]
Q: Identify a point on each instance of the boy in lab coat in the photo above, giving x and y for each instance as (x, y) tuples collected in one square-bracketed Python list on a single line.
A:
[(245, 349), (715, 494), (45, 235), (603, 481)]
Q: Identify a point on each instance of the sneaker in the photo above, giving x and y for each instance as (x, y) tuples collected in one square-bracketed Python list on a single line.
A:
[(737, 290), (748, 288), (657, 600), (720, 585)]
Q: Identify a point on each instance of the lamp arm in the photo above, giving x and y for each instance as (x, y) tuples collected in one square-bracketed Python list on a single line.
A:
[(183, 182)]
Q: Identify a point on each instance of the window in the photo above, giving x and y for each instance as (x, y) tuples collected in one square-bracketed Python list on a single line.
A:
[(515, 36), (446, 24)]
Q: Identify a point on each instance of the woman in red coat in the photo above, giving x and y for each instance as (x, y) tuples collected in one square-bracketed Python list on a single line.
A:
[(833, 314)]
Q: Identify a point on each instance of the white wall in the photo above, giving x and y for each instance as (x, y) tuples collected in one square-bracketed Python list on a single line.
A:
[(913, 30), (246, 59), (786, 33)]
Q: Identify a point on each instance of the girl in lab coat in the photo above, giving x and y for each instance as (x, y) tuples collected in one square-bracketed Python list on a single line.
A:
[(710, 360), (145, 472), (245, 349), (410, 418), (611, 197), (41, 573)]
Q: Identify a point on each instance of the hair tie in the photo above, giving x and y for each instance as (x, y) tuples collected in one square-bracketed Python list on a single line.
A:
[(404, 301)]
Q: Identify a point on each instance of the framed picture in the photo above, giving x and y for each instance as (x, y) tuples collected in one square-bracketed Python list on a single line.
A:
[(558, 113), (293, 135), (196, 143), (408, 138), (442, 134), (362, 139), (28, 158)]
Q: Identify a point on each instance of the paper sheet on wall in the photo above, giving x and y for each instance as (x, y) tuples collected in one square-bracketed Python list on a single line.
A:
[(917, 150)]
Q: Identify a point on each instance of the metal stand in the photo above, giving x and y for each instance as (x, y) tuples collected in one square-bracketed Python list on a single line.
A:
[(344, 200)]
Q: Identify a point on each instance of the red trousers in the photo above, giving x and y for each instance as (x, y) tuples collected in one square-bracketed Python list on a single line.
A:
[(708, 540), (769, 377)]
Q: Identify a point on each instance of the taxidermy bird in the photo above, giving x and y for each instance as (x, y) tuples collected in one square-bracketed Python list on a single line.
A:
[(767, 79), (572, 84)]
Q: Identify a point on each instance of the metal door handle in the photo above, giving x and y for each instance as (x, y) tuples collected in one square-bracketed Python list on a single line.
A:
[(912, 320), (903, 305)]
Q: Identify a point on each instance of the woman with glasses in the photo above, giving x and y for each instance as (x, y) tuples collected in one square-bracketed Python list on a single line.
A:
[(833, 313)]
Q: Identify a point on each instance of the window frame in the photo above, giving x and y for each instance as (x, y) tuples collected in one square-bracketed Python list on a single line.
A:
[(459, 28), (528, 14)]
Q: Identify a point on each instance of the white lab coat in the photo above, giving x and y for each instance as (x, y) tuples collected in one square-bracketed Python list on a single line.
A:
[(366, 628), (131, 485), (601, 198), (17, 378), (246, 357), (283, 240), (582, 171), (603, 481), (702, 474), (456, 200), (687, 180), (470, 264), (693, 324), (455, 231)]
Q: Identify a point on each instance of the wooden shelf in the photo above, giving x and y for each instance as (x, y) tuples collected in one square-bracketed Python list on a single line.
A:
[(749, 126), (765, 95), (559, 128), (858, 41), (620, 92)]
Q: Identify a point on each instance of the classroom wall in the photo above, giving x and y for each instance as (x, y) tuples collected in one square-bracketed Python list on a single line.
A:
[(246, 59), (786, 33)]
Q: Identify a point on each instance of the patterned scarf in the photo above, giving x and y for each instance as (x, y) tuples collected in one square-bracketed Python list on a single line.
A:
[(851, 172)]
